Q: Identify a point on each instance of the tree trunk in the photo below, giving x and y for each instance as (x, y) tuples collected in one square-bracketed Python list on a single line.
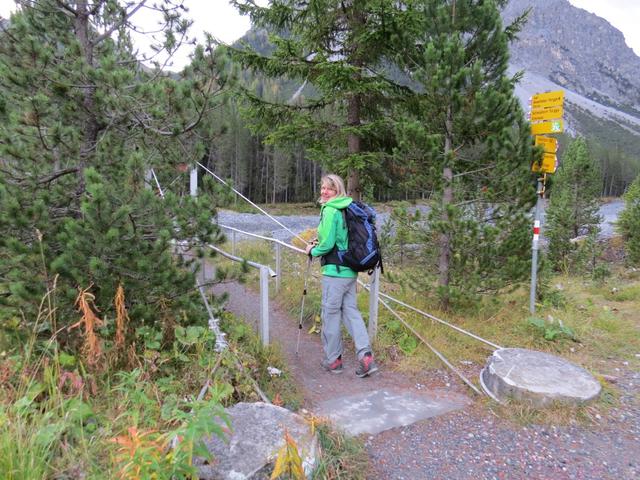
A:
[(447, 200), (275, 174), (353, 143), (314, 185), (91, 128), (356, 23)]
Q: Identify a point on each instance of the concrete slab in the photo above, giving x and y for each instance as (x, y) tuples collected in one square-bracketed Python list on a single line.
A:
[(378, 410), (537, 377)]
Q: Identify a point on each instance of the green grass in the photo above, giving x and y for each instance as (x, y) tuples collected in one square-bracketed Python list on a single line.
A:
[(606, 324), (625, 294), (342, 457), (60, 421), (603, 316)]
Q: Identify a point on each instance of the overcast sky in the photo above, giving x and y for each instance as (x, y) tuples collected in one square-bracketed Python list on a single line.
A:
[(221, 20)]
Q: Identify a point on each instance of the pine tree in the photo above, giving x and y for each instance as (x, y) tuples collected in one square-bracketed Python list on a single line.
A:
[(466, 136), (573, 204), (629, 222), (82, 121), (338, 48)]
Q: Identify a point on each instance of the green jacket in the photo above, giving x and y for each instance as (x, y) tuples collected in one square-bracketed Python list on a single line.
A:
[(332, 231)]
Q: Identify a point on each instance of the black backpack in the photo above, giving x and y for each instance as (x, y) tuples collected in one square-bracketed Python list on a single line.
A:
[(363, 252)]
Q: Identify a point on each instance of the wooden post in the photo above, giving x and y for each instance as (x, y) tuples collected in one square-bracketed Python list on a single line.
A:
[(264, 305), (233, 242), (374, 288)]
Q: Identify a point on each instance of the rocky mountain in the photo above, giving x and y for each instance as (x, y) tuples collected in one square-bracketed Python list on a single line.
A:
[(565, 47), (578, 51)]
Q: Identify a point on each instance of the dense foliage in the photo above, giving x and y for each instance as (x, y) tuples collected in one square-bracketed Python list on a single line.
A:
[(339, 50), (629, 222), (83, 123), (463, 134), (573, 205)]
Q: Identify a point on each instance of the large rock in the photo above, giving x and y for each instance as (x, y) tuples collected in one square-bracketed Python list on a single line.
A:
[(257, 435), (536, 377)]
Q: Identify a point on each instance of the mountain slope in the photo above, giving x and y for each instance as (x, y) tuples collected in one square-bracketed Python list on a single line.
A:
[(578, 51)]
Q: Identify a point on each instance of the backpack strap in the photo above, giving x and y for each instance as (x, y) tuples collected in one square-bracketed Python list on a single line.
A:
[(333, 258)]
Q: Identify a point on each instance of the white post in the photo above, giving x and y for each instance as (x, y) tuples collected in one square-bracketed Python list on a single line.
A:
[(193, 182), (148, 179), (278, 266), (536, 245), (374, 288), (264, 305)]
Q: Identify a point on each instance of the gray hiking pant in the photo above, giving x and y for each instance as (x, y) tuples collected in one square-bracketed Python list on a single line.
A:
[(339, 305)]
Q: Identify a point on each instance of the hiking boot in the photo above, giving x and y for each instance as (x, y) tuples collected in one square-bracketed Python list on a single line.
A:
[(333, 367), (367, 366)]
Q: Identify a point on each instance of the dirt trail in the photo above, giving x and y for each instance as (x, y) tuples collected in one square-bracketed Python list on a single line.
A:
[(317, 384)]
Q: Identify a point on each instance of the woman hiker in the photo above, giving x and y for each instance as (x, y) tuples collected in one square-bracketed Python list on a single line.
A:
[(338, 283)]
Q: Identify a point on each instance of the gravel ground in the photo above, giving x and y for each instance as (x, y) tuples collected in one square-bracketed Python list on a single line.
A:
[(477, 444), (473, 443)]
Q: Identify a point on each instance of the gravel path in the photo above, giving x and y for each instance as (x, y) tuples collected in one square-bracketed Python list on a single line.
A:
[(473, 443), (476, 444)]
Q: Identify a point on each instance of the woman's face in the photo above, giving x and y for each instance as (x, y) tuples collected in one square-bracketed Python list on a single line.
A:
[(327, 192)]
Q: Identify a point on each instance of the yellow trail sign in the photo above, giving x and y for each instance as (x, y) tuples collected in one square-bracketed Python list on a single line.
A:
[(557, 126), (549, 99), (548, 164), (550, 113), (548, 144)]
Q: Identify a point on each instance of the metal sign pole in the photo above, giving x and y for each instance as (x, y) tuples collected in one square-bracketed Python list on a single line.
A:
[(536, 244)]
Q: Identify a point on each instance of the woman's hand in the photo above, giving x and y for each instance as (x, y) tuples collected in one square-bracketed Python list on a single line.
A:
[(310, 246)]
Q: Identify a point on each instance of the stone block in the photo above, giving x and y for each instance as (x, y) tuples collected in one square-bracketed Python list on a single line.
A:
[(536, 377), (257, 435)]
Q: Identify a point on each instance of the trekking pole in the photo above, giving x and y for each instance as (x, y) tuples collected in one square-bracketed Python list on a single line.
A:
[(304, 294)]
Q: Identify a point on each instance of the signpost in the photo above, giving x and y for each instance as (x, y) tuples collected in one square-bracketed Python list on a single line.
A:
[(549, 164), (550, 113), (546, 117), (548, 99), (548, 144), (556, 126)]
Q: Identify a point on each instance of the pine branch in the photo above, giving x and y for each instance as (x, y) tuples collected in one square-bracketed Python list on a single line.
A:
[(115, 26), (55, 175)]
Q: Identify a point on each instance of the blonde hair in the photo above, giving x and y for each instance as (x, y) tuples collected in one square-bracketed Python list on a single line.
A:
[(334, 181)]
